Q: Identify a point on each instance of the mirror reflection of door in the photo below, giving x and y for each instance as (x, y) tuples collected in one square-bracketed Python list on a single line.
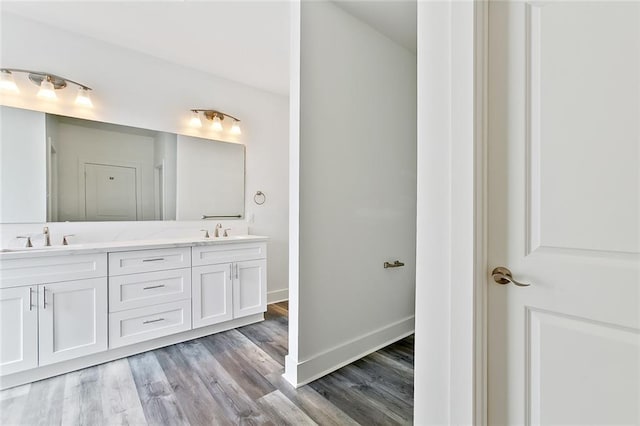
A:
[(110, 192), (159, 189), (52, 181)]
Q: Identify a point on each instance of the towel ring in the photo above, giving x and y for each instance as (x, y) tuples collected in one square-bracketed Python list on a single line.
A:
[(259, 198)]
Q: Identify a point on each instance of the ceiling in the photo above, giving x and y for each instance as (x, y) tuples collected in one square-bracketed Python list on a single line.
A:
[(243, 41), (397, 19)]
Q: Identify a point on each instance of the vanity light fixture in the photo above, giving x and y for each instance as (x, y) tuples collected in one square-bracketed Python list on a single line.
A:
[(217, 123), (235, 129), (216, 118), (47, 89), (7, 82), (195, 119), (48, 83), (83, 98)]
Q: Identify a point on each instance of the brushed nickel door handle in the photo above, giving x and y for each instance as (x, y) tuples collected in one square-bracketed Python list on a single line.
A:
[(503, 275)]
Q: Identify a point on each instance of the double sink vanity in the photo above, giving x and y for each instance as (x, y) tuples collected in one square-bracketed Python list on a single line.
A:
[(70, 307)]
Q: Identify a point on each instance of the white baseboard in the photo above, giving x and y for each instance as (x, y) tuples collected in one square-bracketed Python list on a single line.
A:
[(303, 372), (277, 296)]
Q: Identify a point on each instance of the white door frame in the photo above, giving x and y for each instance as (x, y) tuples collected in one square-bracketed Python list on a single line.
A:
[(451, 280)]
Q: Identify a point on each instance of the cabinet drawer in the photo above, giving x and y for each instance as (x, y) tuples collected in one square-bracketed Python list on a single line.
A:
[(209, 255), (138, 325), (51, 269), (149, 288), (132, 262)]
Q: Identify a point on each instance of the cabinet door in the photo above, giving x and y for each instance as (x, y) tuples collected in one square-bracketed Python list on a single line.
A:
[(212, 294), (73, 319), (249, 287), (18, 329)]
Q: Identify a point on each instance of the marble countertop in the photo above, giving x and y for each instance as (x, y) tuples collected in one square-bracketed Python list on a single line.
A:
[(114, 246)]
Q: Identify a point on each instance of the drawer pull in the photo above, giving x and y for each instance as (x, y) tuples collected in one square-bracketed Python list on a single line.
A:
[(153, 260), (155, 320), (153, 286)]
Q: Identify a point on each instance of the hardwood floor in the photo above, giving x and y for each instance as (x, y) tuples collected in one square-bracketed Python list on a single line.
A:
[(230, 378)]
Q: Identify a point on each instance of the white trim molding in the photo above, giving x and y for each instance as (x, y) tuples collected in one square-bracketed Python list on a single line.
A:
[(450, 372), (481, 66), (276, 296), (332, 359)]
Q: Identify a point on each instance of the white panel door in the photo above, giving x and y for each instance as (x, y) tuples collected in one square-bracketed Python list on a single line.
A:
[(73, 319), (110, 192), (211, 294), (18, 329), (564, 197), (249, 287)]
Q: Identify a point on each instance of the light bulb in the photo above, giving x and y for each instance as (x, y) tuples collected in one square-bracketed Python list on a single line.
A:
[(195, 120), (7, 82), (47, 91), (83, 98), (217, 123), (235, 129)]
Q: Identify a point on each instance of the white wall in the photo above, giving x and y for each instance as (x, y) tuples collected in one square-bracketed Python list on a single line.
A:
[(357, 191), (141, 91), (22, 153)]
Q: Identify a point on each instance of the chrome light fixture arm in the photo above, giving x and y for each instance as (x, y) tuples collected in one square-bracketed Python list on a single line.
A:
[(37, 76), (210, 114)]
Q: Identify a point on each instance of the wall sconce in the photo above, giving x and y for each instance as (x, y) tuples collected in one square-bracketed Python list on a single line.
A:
[(47, 82), (216, 118)]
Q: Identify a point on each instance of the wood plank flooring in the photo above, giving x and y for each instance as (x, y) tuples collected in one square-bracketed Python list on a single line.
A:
[(229, 378)]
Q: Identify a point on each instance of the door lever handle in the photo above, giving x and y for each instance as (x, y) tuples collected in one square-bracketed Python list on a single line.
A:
[(394, 264), (502, 275)]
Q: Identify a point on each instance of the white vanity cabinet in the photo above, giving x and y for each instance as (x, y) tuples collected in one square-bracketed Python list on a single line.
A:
[(250, 288), (149, 294), (62, 308), (72, 319), (18, 329), (52, 309), (212, 298), (229, 282)]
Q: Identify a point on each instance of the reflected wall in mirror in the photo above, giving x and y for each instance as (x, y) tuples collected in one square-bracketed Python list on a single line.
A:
[(58, 169), (104, 172)]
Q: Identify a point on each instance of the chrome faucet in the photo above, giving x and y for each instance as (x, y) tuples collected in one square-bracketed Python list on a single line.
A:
[(65, 242), (26, 237), (47, 237), (217, 232), (206, 233)]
